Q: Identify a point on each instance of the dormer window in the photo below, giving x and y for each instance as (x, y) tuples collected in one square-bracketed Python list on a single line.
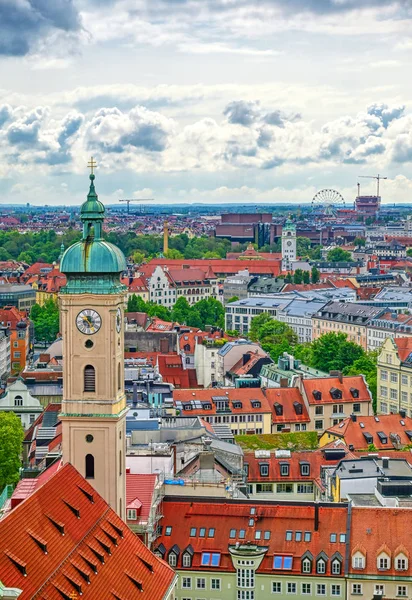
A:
[(335, 393), (354, 392), (298, 408), (321, 566), (278, 409), (304, 469), (172, 559), (256, 404), (306, 565), (317, 395), (237, 404), (264, 469), (401, 563), (358, 561), (383, 562), (336, 567), (284, 469), (187, 560)]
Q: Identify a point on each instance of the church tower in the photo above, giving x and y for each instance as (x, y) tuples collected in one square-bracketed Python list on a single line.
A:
[(94, 402), (288, 245)]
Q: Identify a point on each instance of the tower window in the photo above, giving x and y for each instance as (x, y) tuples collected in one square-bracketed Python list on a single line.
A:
[(18, 401), (89, 379), (89, 466)]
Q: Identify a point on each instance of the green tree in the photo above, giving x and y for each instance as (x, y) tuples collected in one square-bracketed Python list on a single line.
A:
[(359, 242), (173, 253), (303, 247), (11, 436), (157, 310), (138, 257), (46, 321), (288, 278), (275, 332), (233, 299), (332, 351), (211, 312), (366, 365), (298, 276), (256, 323), (315, 275), (339, 255), (409, 252), (194, 319), (232, 332), (181, 311), (136, 304), (306, 277)]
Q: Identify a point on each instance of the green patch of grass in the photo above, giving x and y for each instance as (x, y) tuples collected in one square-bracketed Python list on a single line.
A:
[(303, 440)]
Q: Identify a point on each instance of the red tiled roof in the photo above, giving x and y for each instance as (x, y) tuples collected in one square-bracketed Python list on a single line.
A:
[(130, 570), (13, 315), (140, 487), (315, 459), (286, 398), (353, 432), (244, 395), (159, 325), (219, 266), (241, 368), (36, 268), (224, 516), (188, 275), (171, 369), (325, 384), (141, 318), (377, 529), (404, 346)]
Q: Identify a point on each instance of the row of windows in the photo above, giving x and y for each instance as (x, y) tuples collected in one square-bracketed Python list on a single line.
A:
[(306, 588), (281, 488), (229, 418), (200, 583), (383, 562)]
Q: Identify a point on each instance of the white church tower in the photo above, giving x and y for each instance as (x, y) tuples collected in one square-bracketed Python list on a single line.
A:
[(288, 245)]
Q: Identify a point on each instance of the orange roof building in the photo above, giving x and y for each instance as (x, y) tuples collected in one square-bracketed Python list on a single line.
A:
[(64, 541)]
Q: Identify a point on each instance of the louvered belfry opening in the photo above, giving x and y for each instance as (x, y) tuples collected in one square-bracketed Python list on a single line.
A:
[(89, 379)]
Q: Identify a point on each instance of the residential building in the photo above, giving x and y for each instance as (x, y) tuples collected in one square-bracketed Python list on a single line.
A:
[(136, 286), (206, 359), (21, 296), (341, 267), (231, 353), (5, 353), (221, 267), (379, 557), (143, 501), (265, 285), (330, 400), (237, 285), (66, 541), (394, 385), (239, 314), (345, 317), (248, 550), (287, 372), (166, 285), (353, 477), (245, 373), (391, 249), (49, 285), (298, 313), (285, 475), (288, 245), (388, 324), (386, 432), (289, 411), (19, 326), (240, 410), (17, 399)]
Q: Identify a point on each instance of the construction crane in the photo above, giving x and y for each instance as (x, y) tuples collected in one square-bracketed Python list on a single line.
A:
[(128, 200), (377, 177)]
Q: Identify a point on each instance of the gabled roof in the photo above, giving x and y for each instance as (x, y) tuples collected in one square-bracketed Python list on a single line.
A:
[(404, 346), (353, 432), (242, 397), (286, 397), (68, 504), (223, 517), (377, 529), (140, 488), (324, 385)]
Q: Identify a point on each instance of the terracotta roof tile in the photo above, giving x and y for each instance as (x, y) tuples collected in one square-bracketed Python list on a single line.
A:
[(353, 432), (286, 399), (324, 385)]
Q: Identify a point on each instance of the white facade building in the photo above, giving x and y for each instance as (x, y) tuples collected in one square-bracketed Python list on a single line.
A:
[(288, 245), (5, 353), (18, 399)]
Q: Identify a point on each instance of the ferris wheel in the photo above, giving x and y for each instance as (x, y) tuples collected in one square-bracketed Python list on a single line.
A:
[(327, 202)]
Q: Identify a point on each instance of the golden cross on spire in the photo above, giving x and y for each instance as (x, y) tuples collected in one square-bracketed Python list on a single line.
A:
[(92, 164)]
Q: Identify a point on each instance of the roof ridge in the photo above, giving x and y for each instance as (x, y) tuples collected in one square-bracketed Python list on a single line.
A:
[(75, 549)]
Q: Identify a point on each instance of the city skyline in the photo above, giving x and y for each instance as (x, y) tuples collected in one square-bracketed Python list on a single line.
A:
[(227, 102)]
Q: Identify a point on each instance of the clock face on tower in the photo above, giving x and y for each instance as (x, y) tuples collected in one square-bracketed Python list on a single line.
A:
[(118, 320), (289, 243), (88, 321)]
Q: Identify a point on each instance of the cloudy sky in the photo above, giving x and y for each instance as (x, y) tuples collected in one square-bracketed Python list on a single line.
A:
[(204, 100)]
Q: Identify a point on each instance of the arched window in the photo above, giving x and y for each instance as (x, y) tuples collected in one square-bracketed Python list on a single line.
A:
[(119, 383), (186, 347), (89, 466), (336, 567), (89, 379), (18, 401), (306, 565), (321, 566), (187, 560)]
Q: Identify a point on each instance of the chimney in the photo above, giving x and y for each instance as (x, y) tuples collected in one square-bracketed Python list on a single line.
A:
[(134, 399), (385, 462), (316, 526), (353, 417), (283, 382), (402, 413), (245, 359), (206, 461)]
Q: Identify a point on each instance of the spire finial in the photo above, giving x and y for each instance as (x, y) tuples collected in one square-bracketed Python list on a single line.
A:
[(92, 164)]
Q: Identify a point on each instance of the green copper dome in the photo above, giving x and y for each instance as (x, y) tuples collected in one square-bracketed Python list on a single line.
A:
[(92, 265)]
